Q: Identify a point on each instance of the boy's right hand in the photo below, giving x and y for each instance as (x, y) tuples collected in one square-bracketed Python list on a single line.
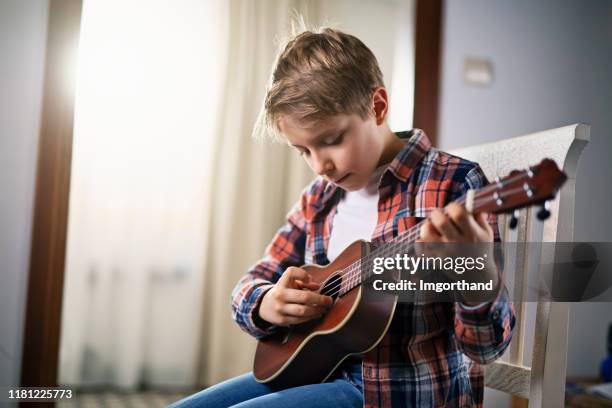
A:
[(292, 300)]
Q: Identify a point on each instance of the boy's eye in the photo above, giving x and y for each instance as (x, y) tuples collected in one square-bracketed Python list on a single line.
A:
[(303, 152), (330, 141)]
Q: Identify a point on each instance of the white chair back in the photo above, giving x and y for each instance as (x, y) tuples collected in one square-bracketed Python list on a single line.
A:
[(540, 375)]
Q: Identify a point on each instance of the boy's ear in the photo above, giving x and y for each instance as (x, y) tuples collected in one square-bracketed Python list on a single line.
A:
[(380, 103)]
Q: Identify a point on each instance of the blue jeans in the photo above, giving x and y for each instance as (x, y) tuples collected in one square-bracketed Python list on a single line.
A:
[(343, 389)]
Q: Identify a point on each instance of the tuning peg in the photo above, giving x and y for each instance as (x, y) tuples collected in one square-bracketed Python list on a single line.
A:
[(514, 219), (544, 212)]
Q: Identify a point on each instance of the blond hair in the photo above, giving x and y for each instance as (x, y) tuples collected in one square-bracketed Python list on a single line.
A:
[(318, 74)]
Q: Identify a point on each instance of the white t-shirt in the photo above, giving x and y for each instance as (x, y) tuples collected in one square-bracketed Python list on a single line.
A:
[(356, 216)]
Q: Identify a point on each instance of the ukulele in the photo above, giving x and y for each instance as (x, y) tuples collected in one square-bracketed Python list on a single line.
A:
[(309, 352)]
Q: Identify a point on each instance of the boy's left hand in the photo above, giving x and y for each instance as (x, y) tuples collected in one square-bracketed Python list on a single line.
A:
[(456, 225)]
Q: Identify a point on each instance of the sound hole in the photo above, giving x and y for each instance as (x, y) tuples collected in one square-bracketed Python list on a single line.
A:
[(332, 286)]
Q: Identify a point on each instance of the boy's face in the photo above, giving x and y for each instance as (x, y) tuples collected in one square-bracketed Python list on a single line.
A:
[(345, 149)]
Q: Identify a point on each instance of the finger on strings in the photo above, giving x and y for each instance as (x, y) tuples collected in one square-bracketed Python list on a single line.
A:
[(305, 297), (428, 232), (483, 221), (460, 218), (292, 274), (307, 285), (444, 224)]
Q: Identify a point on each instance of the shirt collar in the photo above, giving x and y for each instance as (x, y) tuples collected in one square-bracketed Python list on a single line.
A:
[(416, 146)]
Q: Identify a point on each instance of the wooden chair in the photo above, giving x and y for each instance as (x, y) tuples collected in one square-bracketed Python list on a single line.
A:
[(540, 376)]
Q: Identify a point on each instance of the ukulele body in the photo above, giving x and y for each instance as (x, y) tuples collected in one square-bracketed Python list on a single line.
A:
[(309, 353)]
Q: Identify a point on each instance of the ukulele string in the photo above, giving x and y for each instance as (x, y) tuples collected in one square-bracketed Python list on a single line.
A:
[(352, 275), (349, 274), (352, 272), (411, 234)]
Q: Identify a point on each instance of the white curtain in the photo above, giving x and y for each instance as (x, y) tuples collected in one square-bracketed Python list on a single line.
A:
[(147, 99), (254, 185)]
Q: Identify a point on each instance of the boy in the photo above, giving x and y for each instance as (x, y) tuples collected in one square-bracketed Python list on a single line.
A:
[(327, 99)]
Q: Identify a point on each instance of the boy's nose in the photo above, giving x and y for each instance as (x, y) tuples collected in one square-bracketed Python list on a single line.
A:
[(324, 167)]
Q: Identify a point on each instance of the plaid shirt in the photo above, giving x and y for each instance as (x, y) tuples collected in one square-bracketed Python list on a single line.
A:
[(431, 354)]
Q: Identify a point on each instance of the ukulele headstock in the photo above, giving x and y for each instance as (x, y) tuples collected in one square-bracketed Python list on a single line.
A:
[(522, 188)]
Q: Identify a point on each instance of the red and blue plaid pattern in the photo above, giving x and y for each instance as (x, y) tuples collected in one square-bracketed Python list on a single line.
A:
[(432, 353)]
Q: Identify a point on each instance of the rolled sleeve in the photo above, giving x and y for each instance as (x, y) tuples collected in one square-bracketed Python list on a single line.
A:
[(485, 331), (243, 307)]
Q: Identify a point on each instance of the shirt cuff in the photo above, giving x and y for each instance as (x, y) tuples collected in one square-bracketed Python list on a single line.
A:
[(473, 307), (486, 312), (259, 327)]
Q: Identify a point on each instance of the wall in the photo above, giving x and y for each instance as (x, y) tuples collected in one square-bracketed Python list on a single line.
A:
[(23, 27), (552, 65)]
